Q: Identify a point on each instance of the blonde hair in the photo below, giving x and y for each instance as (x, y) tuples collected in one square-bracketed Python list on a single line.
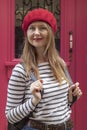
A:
[(57, 64)]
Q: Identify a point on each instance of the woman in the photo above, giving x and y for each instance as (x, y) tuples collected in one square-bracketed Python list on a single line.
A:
[(45, 96)]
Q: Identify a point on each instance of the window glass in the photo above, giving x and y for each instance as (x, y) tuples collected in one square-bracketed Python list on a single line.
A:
[(21, 8)]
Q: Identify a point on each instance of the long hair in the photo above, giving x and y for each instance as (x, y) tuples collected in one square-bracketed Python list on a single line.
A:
[(57, 64)]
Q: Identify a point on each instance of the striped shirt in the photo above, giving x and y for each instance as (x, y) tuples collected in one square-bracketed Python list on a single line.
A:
[(53, 107)]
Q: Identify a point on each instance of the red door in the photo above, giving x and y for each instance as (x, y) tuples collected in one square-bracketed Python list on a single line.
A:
[(81, 62), (73, 19)]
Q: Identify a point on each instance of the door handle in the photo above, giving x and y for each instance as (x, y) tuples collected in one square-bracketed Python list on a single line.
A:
[(70, 45)]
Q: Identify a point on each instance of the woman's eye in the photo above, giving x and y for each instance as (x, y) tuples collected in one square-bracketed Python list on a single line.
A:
[(43, 28), (31, 28)]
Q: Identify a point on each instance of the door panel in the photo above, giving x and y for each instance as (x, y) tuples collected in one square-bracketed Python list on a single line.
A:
[(81, 62), (74, 18)]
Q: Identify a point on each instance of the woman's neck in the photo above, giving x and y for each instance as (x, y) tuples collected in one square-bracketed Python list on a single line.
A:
[(41, 59), (40, 55)]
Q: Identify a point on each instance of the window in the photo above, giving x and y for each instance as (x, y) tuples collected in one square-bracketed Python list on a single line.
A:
[(21, 8)]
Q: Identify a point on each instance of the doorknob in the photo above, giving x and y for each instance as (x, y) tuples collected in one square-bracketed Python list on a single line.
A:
[(70, 45)]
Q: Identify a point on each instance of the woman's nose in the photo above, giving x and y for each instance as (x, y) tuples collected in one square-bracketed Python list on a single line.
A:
[(37, 32)]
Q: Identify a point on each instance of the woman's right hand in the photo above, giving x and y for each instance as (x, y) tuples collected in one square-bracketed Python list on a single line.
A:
[(36, 88), (74, 90)]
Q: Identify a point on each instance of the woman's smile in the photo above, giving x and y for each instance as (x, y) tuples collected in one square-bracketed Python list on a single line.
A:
[(38, 39)]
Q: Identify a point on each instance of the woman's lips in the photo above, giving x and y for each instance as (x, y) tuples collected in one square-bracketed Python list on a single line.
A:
[(37, 39)]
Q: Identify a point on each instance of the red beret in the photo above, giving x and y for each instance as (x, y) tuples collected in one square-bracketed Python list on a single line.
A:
[(39, 14)]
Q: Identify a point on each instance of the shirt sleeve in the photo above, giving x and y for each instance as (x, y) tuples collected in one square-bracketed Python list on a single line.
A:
[(16, 109)]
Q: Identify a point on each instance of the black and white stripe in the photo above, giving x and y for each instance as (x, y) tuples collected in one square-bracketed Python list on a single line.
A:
[(53, 108)]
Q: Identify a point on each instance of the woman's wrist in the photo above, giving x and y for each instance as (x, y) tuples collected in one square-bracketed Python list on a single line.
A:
[(70, 104), (35, 101)]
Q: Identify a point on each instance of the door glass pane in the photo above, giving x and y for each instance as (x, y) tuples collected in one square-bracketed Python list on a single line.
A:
[(21, 8)]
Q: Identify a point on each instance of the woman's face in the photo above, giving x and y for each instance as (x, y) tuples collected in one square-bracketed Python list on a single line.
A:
[(37, 34)]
